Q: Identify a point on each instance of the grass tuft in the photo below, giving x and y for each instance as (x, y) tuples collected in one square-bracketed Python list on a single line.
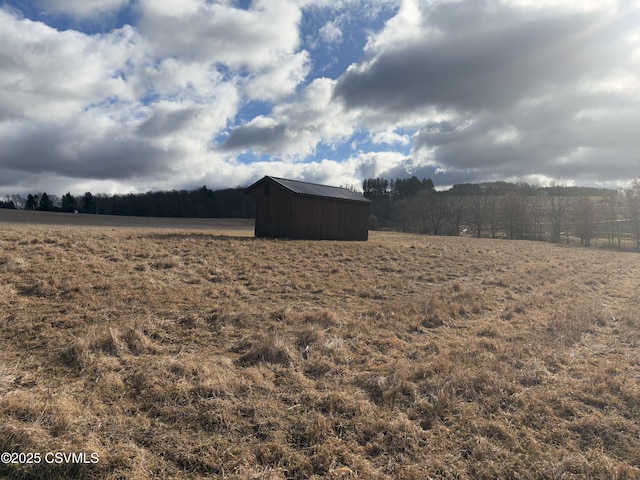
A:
[(269, 348)]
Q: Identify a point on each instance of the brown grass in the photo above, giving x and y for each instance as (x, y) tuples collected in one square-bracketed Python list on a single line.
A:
[(184, 354)]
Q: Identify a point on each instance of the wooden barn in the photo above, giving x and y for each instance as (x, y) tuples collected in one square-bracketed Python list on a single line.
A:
[(302, 210)]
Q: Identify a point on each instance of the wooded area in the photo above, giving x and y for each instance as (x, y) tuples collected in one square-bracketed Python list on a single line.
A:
[(556, 213), (199, 203)]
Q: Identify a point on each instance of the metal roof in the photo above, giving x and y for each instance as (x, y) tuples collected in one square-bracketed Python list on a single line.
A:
[(315, 190)]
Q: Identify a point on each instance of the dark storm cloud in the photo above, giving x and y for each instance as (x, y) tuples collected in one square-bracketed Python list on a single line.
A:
[(254, 137), (481, 58), (559, 138), (46, 149)]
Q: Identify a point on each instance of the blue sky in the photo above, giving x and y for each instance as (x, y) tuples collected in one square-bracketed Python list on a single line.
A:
[(120, 96)]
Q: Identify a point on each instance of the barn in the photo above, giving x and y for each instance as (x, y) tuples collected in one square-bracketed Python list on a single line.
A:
[(302, 210)]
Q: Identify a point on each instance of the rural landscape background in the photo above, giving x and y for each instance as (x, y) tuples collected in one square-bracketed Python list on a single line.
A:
[(555, 212), (193, 350)]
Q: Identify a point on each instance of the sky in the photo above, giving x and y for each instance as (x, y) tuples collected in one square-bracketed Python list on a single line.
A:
[(120, 96)]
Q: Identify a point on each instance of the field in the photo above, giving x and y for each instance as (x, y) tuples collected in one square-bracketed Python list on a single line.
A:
[(173, 350)]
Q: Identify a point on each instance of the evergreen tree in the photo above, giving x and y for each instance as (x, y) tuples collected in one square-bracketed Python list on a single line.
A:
[(69, 203), (31, 203), (88, 203), (45, 204)]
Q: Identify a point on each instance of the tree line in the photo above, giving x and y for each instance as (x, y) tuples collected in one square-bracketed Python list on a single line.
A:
[(201, 203), (556, 213)]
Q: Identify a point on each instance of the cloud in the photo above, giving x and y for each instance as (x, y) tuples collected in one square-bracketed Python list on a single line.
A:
[(389, 137), (47, 74), (258, 47), (100, 108), (476, 68), (331, 32), (279, 79), (166, 120), (218, 33), (77, 150), (257, 136), (296, 127), (82, 8), (196, 92), (505, 88)]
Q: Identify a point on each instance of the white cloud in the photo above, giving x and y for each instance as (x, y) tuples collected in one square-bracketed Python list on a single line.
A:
[(78, 107), (82, 8), (46, 74), (405, 27), (331, 32), (314, 110), (386, 164), (279, 79), (212, 32), (296, 127), (389, 137)]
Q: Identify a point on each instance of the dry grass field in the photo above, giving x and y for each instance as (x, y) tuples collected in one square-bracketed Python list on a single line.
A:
[(184, 353)]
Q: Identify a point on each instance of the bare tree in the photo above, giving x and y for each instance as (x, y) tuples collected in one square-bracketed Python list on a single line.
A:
[(403, 213), (558, 205), (537, 213), (583, 219), (610, 209), (457, 207), (433, 209), (514, 214), (477, 212), (492, 214)]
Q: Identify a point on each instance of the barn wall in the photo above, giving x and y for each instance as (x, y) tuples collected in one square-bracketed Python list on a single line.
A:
[(283, 214), (273, 211), (329, 219)]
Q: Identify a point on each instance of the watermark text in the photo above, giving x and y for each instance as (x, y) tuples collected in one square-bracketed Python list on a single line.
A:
[(52, 458)]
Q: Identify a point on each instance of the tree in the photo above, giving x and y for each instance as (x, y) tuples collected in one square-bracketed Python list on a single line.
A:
[(409, 187), (457, 207), (31, 203), (69, 203), (583, 219), (88, 203), (610, 209), (45, 204), (403, 214), (537, 213), (478, 211), (491, 212), (427, 184), (514, 214), (558, 205), (377, 190), (434, 209)]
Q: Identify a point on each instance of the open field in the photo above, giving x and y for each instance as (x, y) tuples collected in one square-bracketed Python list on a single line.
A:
[(184, 353), (235, 226)]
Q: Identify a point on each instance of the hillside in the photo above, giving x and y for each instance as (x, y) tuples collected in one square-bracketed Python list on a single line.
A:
[(176, 353)]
